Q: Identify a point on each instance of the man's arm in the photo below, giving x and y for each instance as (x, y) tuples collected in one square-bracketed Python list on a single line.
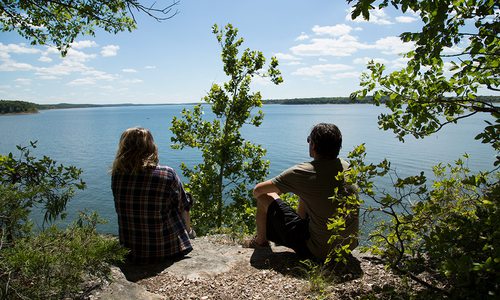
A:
[(301, 209), (265, 188)]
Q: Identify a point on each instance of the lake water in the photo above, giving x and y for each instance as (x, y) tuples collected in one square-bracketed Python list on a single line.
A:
[(88, 138)]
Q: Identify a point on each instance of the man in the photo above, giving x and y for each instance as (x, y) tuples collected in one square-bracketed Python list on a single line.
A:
[(314, 182)]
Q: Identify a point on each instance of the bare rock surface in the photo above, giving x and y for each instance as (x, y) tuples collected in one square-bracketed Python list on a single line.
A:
[(219, 268)]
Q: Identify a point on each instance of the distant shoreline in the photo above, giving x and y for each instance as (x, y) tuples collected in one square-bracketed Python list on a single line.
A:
[(23, 107)]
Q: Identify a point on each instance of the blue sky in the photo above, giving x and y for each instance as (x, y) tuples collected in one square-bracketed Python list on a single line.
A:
[(320, 49)]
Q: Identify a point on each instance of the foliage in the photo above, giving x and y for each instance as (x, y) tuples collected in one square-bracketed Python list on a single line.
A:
[(416, 95), (348, 205), (55, 263), (59, 22), (9, 107), (318, 276), (230, 163), (27, 182), (449, 230)]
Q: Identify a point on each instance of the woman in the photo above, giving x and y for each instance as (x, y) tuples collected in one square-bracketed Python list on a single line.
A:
[(152, 206)]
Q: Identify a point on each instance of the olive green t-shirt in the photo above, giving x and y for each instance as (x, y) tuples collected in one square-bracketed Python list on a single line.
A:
[(314, 182)]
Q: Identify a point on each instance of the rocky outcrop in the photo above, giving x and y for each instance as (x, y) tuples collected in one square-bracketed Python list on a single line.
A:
[(218, 268)]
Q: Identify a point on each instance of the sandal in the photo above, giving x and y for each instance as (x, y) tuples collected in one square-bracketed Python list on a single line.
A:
[(252, 243)]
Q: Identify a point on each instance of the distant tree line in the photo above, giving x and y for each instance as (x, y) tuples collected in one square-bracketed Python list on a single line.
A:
[(15, 107), (322, 100), (349, 100)]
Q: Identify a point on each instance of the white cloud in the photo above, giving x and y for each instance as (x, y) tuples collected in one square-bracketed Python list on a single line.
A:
[(66, 67), (45, 59), (4, 55), (150, 67), (23, 81), (263, 81), (405, 19), (453, 50), (110, 50), (12, 66), (284, 56), (92, 77), (129, 70), (17, 49), (302, 37), (99, 75), (83, 81), (336, 30), (377, 16), (83, 44), (322, 70), (79, 56), (393, 45), (399, 63), (345, 45), (344, 75), (47, 77), (365, 60), (133, 81)]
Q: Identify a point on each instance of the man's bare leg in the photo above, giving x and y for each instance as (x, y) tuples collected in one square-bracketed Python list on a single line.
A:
[(263, 203)]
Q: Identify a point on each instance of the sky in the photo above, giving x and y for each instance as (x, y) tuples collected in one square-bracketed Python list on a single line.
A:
[(321, 52)]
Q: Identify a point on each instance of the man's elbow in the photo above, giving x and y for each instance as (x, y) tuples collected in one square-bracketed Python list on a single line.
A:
[(262, 188), (257, 191)]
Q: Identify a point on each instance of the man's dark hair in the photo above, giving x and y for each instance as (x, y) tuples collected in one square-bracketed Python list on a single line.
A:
[(327, 140)]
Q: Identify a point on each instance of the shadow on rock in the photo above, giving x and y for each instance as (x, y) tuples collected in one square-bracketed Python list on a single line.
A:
[(134, 271), (288, 263), (342, 272)]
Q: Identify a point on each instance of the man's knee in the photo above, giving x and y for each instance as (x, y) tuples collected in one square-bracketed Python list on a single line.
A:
[(263, 201)]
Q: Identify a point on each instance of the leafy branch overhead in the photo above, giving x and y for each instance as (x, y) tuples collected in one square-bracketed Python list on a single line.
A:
[(437, 88), (60, 22)]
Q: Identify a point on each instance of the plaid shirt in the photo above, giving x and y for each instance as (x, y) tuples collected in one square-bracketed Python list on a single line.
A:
[(149, 207)]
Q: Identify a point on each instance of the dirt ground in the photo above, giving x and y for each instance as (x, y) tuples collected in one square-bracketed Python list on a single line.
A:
[(219, 268)]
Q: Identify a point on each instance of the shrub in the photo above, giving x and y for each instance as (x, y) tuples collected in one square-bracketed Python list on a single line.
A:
[(450, 230), (52, 263), (55, 263)]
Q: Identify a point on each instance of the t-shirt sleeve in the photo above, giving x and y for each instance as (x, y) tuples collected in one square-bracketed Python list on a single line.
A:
[(288, 180)]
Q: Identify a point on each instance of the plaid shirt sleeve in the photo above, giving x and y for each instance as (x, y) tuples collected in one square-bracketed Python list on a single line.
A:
[(184, 201), (149, 208)]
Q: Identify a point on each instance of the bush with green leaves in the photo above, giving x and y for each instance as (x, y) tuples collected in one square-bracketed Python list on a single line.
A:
[(56, 263), (50, 263), (231, 165), (29, 183), (449, 229)]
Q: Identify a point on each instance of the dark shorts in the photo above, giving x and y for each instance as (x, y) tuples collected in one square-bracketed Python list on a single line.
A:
[(285, 227)]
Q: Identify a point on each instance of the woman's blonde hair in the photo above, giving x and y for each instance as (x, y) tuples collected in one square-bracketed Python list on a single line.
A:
[(136, 151)]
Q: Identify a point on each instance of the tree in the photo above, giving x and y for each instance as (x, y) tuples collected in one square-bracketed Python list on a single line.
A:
[(426, 95), (449, 228), (59, 22), (230, 163)]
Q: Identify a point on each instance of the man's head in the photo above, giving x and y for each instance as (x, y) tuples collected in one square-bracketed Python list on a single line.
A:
[(326, 140)]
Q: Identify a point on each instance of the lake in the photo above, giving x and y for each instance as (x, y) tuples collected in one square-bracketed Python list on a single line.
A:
[(88, 139)]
